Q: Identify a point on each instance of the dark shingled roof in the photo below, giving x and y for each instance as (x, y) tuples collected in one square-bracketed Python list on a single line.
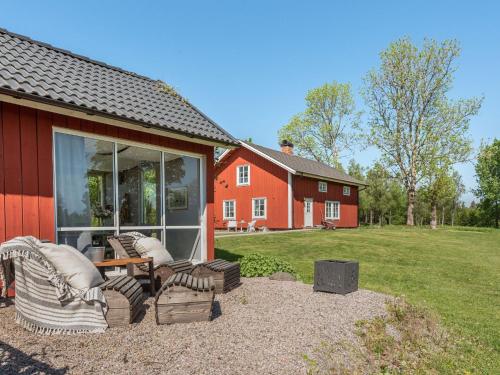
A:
[(303, 165), (41, 72)]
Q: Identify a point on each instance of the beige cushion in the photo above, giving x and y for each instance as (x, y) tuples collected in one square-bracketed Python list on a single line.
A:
[(78, 271), (152, 247)]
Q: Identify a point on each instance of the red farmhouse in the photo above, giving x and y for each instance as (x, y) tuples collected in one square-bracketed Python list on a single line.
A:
[(88, 150), (279, 190)]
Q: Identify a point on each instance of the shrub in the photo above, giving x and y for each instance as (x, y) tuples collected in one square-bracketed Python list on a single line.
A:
[(254, 265)]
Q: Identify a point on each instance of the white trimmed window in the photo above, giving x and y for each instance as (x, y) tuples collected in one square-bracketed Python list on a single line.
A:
[(243, 175), (332, 210), (347, 190), (259, 208), (229, 209), (322, 186)]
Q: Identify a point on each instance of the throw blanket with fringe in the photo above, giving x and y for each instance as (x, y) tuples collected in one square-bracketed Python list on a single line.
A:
[(45, 303)]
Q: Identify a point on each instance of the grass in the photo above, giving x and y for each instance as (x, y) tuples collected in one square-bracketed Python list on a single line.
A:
[(454, 272)]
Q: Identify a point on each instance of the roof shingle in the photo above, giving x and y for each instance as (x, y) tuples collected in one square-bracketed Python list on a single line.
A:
[(55, 75), (303, 165)]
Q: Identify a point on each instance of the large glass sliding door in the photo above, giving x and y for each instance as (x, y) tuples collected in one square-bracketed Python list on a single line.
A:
[(182, 208), (139, 186), (105, 187)]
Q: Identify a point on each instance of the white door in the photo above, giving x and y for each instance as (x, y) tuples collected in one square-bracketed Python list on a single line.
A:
[(308, 212)]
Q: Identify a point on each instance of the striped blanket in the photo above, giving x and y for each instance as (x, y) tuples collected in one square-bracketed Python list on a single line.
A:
[(45, 303)]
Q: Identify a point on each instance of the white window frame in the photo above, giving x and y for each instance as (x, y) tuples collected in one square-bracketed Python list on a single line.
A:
[(238, 183), (224, 209), (331, 217), (346, 191), (117, 228), (322, 184), (265, 208)]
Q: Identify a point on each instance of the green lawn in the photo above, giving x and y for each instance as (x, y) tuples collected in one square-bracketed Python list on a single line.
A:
[(453, 271)]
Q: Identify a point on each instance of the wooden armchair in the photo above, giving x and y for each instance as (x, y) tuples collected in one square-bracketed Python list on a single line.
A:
[(123, 245)]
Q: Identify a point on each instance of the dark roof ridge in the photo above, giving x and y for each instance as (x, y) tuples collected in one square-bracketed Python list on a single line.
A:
[(76, 55), (293, 155), (303, 165)]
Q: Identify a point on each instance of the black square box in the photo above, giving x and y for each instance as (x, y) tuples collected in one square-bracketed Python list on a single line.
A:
[(336, 276)]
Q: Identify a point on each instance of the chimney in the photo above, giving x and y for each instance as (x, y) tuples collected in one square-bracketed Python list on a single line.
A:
[(286, 147)]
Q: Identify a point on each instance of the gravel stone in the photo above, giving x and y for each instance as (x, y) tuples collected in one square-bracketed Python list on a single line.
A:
[(262, 327), (282, 276)]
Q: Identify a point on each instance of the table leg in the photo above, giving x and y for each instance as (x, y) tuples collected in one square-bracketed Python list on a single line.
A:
[(130, 269), (152, 278)]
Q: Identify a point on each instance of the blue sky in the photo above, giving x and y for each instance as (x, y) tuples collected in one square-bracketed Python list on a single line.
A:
[(248, 64)]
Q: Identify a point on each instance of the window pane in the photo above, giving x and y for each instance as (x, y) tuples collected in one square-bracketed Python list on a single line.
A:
[(259, 208), (156, 233), (183, 243), (81, 240), (84, 181), (182, 190), (229, 209), (139, 185)]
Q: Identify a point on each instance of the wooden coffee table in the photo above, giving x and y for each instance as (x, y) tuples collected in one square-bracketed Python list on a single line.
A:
[(129, 263)]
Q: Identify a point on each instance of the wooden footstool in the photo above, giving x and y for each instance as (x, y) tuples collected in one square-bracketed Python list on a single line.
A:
[(226, 274), (184, 298), (124, 298)]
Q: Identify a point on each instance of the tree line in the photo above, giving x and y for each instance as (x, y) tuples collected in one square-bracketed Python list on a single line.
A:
[(419, 131)]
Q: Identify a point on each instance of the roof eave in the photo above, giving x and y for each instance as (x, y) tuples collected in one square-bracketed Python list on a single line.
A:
[(51, 105), (265, 156), (338, 180)]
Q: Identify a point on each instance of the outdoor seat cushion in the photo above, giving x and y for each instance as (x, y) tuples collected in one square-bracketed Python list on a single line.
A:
[(152, 247), (78, 271)]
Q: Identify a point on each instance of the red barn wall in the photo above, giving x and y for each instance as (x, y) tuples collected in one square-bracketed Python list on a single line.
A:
[(267, 180), (304, 187), (26, 172)]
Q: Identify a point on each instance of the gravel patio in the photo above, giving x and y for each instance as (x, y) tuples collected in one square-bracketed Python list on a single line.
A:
[(261, 327)]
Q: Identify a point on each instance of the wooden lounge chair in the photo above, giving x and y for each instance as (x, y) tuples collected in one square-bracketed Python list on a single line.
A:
[(124, 248)]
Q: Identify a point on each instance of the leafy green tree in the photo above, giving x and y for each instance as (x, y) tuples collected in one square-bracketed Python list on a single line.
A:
[(377, 192), (488, 179), (412, 121), (454, 200), (355, 170), (327, 127), (440, 186), (396, 202)]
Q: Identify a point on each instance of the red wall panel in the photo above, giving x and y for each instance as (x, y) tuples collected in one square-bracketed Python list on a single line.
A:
[(26, 168), (267, 180), (304, 187), (29, 168), (45, 176), (12, 170), (2, 186)]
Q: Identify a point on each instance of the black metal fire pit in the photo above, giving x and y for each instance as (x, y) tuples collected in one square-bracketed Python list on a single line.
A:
[(336, 276)]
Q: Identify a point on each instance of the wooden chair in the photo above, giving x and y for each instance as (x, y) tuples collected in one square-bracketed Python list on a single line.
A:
[(232, 224), (251, 226), (123, 246)]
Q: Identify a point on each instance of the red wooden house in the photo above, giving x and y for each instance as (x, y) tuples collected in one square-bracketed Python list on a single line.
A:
[(88, 150), (279, 190)]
